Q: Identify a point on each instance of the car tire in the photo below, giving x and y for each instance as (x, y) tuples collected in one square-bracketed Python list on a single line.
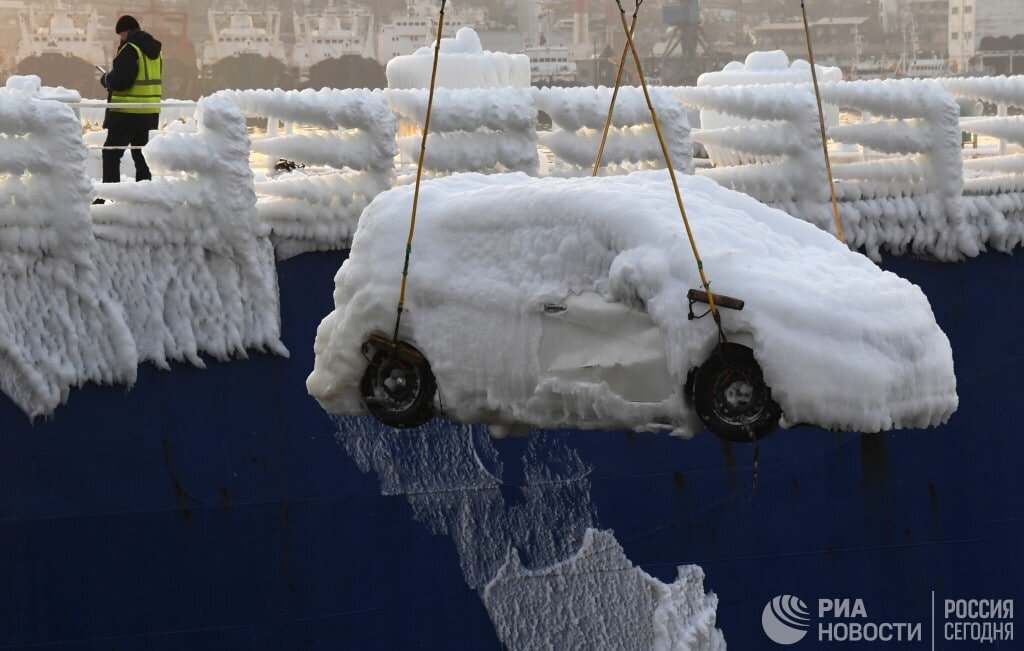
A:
[(398, 387), (730, 396)]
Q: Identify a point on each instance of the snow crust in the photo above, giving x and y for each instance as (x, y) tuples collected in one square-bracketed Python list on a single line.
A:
[(470, 130), (351, 132), (60, 325), (185, 253), (843, 344), (546, 576), (579, 115), (463, 63)]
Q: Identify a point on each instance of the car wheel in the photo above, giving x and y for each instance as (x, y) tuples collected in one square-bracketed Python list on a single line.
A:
[(730, 396), (398, 386)]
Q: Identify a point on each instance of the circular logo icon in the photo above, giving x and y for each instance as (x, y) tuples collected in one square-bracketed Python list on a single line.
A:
[(785, 619)]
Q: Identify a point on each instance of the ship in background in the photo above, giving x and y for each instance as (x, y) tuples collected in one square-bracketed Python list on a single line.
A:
[(416, 27), (61, 45), (244, 50), (335, 48)]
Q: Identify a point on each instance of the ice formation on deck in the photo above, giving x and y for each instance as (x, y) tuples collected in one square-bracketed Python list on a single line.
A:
[(762, 68), (600, 579), (547, 577), (993, 193), (351, 132), (901, 195), (463, 63), (471, 130), (60, 326), (579, 115), (186, 254), (843, 344)]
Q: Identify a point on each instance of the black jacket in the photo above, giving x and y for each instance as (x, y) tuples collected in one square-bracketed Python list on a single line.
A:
[(125, 69)]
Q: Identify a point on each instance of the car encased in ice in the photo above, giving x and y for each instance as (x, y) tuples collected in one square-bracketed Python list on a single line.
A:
[(563, 303)]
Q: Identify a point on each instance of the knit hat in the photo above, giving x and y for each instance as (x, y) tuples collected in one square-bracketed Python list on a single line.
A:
[(126, 24)]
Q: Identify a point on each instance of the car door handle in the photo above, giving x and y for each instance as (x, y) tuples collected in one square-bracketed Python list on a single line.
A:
[(554, 308)]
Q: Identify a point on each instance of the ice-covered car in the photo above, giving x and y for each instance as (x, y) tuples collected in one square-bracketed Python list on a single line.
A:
[(563, 303)]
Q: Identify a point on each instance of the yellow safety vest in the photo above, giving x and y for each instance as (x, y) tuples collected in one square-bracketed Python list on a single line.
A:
[(147, 88)]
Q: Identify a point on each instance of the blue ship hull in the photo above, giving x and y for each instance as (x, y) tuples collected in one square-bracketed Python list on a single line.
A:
[(223, 509)]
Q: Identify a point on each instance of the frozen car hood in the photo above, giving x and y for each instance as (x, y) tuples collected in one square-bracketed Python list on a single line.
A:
[(843, 344)]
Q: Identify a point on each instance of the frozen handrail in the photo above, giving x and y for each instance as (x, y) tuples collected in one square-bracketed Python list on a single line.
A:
[(350, 132), (60, 326), (186, 253), (903, 194), (475, 130), (578, 116)]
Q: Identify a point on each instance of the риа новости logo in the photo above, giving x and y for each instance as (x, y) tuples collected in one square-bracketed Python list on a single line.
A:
[(785, 619)]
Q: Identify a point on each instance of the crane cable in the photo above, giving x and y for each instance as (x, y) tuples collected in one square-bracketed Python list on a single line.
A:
[(821, 124), (615, 92), (671, 172), (419, 173)]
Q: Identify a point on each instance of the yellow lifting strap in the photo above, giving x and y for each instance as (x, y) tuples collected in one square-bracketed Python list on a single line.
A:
[(615, 93), (671, 171), (419, 172), (821, 124)]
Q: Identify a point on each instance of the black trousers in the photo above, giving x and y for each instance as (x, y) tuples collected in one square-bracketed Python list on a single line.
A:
[(127, 129)]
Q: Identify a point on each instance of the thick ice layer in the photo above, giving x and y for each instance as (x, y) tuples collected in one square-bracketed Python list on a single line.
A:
[(900, 192), (547, 577), (463, 63), (351, 131), (187, 256), (59, 326), (470, 129), (580, 113), (636, 609), (843, 344), (759, 68)]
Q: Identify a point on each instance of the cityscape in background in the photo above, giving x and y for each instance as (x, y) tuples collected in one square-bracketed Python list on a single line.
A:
[(209, 45)]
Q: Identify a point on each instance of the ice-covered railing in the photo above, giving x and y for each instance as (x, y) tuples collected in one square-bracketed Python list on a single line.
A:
[(578, 115), (186, 253), (471, 130), (904, 193), (772, 67), (349, 135), (994, 185), (790, 172), (59, 324)]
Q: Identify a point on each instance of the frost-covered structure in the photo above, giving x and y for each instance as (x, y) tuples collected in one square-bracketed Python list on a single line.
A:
[(463, 63), (579, 115), (351, 133), (60, 324), (186, 254), (993, 193), (471, 130), (903, 195), (842, 343), (547, 577), (759, 68)]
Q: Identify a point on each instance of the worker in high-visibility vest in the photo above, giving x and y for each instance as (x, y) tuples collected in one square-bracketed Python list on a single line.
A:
[(135, 78)]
